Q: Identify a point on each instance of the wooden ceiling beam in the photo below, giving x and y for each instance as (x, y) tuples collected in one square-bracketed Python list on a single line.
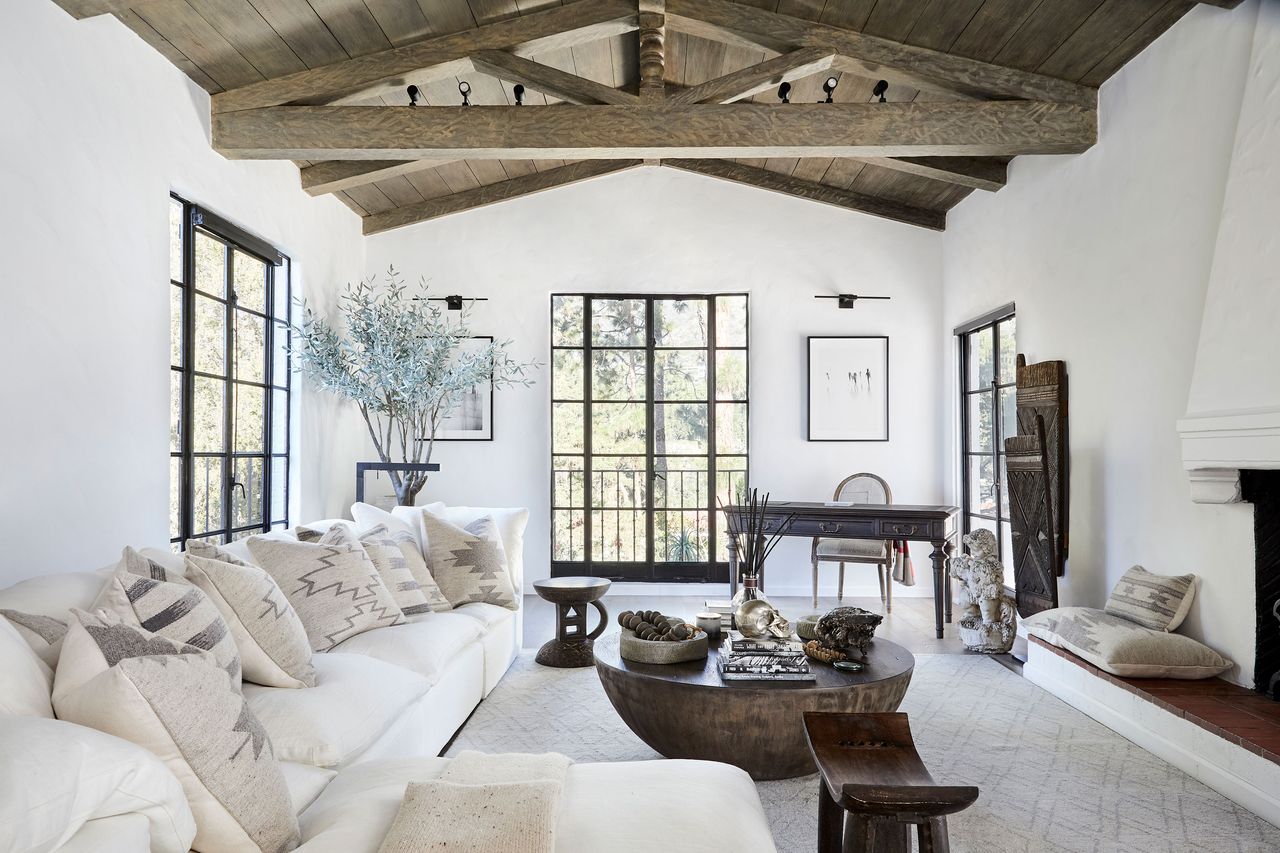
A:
[(551, 29), (331, 176), (919, 67), (757, 78), (470, 199), (92, 8), (653, 56), (976, 172), (919, 129), (813, 191), (548, 80)]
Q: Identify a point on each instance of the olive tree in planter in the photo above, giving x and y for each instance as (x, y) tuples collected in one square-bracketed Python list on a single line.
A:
[(405, 363)]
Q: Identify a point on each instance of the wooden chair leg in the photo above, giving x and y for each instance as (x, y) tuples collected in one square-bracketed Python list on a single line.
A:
[(840, 589), (815, 583), (933, 836), (888, 588), (830, 822), (880, 577), (865, 834)]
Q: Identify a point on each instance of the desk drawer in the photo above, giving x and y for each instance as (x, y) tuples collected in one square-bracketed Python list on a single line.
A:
[(861, 529), (902, 529)]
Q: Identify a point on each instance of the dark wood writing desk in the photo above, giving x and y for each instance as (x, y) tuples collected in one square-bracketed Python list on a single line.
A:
[(936, 525)]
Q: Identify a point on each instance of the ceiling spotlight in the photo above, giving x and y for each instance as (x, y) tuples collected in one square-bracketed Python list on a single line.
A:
[(519, 93), (465, 88), (784, 93), (880, 89), (829, 87), (413, 96)]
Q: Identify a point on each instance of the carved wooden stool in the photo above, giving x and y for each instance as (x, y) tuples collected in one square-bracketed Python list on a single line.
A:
[(573, 646), (871, 770)]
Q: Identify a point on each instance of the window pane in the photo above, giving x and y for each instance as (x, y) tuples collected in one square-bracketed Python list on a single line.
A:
[(731, 321), (207, 417), (211, 265), (681, 483), (175, 497), (246, 493), (976, 523), (731, 374), (731, 428), (1008, 350), (566, 428), (175, 325), (280, 290), (981, 429), (618, 374), (1006, 554), (618, 323), (980, 358), (618, 482), (982, 485), (1008, 414), (568, 488), (681, 536), (251, 348), (207, 494), (279, 421), (280, 355), (618, 535), (680, 322), (175, 239), (211, 336), (175, 411), (279, 486), (567, 534), (566, 321), (250, 419), (617, 428), (250, 281), (1004, 488), (731, 479), (566, 374), (680, 428), (680, 375)]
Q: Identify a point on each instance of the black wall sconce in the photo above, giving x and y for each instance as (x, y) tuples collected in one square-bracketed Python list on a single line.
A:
[(847, 300), (454, 302), (880, 88)]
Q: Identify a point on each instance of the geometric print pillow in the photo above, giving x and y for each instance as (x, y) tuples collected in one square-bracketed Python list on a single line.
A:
[(335, 589), (468, 563), (177, 611), (388, 558), (274, 649), (1153, 601)]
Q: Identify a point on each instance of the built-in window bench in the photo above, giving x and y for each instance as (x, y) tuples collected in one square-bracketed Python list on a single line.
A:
[(1226, 736)]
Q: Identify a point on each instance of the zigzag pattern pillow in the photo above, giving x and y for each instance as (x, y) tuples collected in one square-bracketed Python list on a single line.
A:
[(468, 563), (390, 558), (1153, 601), (335, 589)]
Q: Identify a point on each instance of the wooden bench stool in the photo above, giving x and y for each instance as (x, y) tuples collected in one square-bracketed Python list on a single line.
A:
[(871, 771)]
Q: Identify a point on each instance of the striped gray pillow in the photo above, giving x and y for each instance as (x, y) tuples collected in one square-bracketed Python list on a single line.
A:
[(1153, 601), (175, 611)]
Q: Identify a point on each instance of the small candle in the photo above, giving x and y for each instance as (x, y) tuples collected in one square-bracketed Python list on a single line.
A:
[(709, 622)]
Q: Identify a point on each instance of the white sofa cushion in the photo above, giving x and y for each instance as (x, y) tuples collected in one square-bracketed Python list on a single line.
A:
[(425, 645), (355, 700), (485, 613), (57, 776), (25, 681), (305, 782), (400, 518), (55, 595), (709, 807)]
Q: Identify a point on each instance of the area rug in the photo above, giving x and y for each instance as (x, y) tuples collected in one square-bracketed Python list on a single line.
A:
[(1051, 778)]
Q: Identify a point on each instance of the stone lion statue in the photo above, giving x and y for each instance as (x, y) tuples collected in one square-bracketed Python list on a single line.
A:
[(987, 617)]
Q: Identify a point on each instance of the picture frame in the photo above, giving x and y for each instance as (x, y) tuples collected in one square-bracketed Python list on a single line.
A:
[(848, 387), (474, 419)]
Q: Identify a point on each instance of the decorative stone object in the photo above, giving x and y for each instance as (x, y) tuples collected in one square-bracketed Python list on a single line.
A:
[(986, 617), (848, 629), (819, 652), (758, 618), (650, 637), (807, 628)]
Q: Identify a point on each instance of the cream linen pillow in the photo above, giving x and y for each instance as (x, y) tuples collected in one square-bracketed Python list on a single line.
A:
[(468, 562), (42, 633), (182, 709), (177, 611), (335, 589), (273, 644), (25, 680), (1153, 601)]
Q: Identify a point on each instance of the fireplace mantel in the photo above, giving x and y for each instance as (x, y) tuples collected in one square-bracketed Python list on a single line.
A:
[(1217, 446)]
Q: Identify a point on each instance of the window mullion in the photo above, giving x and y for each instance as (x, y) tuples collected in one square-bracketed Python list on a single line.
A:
[(229, 396), (712, 466), (650, 340), (187, 487), (587, 467)]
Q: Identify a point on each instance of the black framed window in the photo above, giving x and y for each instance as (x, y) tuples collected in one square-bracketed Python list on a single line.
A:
[(649, 410), (229, 379), (988, 414)]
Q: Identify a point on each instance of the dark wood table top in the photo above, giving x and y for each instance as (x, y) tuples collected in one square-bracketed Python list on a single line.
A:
[(817, 508), (884, 660)]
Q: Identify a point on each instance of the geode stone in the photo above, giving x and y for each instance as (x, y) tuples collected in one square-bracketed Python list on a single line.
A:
[(849, 629)]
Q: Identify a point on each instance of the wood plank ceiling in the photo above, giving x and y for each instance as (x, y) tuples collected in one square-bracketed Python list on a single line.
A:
[(705, 52)]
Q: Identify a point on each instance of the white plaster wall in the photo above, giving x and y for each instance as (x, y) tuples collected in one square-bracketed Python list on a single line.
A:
[(1107, 255), (654, 230), (97, 129)]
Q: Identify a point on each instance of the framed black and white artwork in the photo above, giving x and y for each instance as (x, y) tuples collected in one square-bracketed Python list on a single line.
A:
[(848, 388), (473, 419)]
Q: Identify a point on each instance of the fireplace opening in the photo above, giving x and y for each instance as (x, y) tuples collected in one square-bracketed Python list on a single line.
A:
[(1262, 489)]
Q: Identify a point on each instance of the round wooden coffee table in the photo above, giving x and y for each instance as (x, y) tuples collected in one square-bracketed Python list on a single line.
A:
[(686, 711)]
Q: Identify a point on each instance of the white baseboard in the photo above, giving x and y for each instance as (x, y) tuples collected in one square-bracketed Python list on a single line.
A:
[(1237, 774)]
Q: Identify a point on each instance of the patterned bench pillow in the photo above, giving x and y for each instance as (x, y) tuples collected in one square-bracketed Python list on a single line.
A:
[(1153, 601)]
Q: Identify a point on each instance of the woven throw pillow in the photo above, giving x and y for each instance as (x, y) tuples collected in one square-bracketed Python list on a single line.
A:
[(274, 649), (395, 556), (136, 563), (177, 611), (181, 708), (42, 633), (1124, 648), (1153, 601), (468, 562), (335, 589), (209, 551)]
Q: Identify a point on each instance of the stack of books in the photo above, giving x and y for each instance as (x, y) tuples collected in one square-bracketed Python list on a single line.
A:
[(725, 608), (763, 659)]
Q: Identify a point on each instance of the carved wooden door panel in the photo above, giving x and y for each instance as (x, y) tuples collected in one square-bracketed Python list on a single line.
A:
[(1035, 558), (1042, 392)]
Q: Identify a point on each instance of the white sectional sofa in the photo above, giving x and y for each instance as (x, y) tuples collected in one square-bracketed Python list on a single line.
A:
[(385, 704)]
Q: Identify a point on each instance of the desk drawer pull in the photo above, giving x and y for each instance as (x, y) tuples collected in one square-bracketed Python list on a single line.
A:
[(906, 529), (826, 527)]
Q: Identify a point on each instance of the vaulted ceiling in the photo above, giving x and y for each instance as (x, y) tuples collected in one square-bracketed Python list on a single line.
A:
[(610, 84)]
